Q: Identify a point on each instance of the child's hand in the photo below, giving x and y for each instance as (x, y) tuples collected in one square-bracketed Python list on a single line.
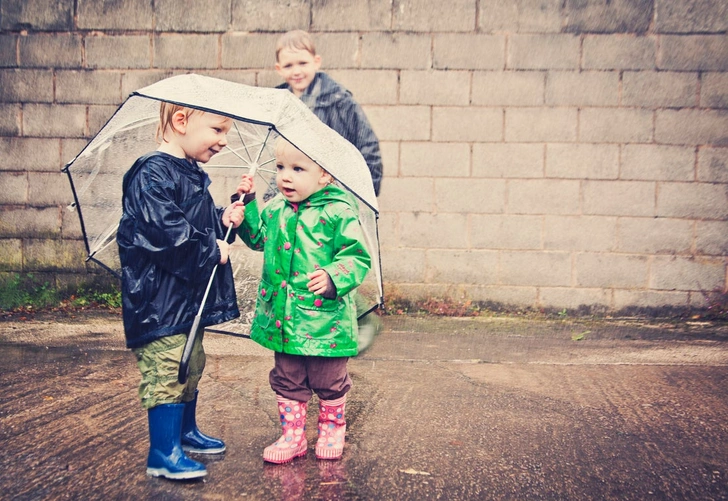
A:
[(246, 184), (224, 251), (234, 214), (320, 284)]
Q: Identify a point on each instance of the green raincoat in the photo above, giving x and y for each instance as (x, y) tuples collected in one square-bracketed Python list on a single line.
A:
[(321, 232)]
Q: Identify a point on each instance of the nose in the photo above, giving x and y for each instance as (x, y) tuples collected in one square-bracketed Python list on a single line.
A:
[(223, 141)]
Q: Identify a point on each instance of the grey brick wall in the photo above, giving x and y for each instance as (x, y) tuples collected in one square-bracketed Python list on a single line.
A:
[(548, 154)]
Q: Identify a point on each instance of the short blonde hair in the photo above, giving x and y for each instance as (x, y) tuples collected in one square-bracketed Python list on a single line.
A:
[(166, 112), (297, 40)]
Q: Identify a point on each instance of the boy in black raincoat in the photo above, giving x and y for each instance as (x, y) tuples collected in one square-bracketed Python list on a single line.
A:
[(170, 239)]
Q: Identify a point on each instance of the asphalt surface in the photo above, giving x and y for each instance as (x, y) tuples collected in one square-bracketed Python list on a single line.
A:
[(442, 408)]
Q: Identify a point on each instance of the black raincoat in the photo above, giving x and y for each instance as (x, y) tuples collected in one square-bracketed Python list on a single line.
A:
[(167, 240), (335, 106)]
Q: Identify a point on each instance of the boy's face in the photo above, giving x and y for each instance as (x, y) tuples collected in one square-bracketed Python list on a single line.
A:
[(203, 135), (297, 177), (297, 67)]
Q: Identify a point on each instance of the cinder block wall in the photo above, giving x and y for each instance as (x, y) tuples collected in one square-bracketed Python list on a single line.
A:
[(538, 153)]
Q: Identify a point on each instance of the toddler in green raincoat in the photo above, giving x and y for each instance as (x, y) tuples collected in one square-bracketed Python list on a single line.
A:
[(314, 256)]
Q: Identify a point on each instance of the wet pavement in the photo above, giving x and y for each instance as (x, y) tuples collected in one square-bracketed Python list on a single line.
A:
[(442, 408)]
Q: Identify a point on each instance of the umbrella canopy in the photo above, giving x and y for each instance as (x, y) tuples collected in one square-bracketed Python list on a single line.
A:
[(260, 116)]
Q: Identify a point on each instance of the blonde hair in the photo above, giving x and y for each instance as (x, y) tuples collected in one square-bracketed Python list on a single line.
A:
[(166, 112), (296, 40)]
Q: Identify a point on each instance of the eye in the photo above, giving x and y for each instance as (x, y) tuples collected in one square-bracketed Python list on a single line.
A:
[(298, 169), (279, 166)]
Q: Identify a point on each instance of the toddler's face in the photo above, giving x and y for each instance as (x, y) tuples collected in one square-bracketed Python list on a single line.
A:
[(205, 135), (298, 68), (297, 177)]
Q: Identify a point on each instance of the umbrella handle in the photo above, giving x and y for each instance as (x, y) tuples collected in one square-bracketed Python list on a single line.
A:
[(184, 363)]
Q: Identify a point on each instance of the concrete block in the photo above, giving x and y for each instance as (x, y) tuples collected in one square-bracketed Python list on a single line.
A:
[(119, 52), (611, 270), (693, 53), (433, 231), (582, 161), (435, 87), (388, 227), (425, 159), (543, 196), (619, 52), (114, 15), (582, 88), (520, 16), (713, 165), (636, 300), (503, 231), (692, 200), (390, 158), (407, 195), (711, 238), (135, 80), (57, 50), (11, 254), (70, 148), (53, 255), (13, 188), (619, 198), (70, 224), (337, 50), (396, 51), (400, 123), (10, 119), (615, 125), (508, 88), (468, 195), (693, 16), (639, 235), (196, 15), (457, 51), (98, 116), (267, 15), (8, 51), (692, 127), (48, 189), (462, 267), (88, 87), (53, 120), (456, 15), (500, 296), (657, 162), (369, 86), (580, 233), (404, 265), (714, 90), (186, 51), (344, 15), (29, 154), (688, 274), (526, 125), (247, 50), (664, 89), (572, 298), (30, 223), (40, 15), (467, 124), (615, 16), (26, 86), (543, 52), (508, 160), (535, 268), (237, 76)]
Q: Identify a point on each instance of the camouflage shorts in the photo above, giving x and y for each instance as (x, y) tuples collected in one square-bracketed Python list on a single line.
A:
[(158, 362)]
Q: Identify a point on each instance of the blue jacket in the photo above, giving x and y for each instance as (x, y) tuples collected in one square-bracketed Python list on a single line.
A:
[(335, 106), (167, 241)]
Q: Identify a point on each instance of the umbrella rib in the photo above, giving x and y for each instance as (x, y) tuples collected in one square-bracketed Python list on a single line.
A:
[(235, 124)]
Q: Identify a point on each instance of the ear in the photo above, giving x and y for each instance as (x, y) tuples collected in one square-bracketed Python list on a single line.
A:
[(278, 69), (325, 178), (317, 62), (179, 122)]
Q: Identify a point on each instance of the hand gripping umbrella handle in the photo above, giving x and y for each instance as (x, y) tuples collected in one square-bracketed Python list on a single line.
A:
[(184, 363)]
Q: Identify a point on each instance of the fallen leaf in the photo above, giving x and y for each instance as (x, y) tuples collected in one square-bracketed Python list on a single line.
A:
[(410, 471)]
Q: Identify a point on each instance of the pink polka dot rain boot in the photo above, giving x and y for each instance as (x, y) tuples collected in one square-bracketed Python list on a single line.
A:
[(331, 428), (292, 443)]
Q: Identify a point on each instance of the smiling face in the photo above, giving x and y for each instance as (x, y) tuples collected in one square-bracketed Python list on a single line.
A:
[(297, 177), (298, 68), (196, 135)]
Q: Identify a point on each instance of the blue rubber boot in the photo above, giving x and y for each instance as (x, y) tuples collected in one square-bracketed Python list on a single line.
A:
[(166, 457), (193, 440)]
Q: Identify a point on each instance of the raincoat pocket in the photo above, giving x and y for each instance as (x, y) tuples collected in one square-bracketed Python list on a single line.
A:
[(318, 316), (264, 311)]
